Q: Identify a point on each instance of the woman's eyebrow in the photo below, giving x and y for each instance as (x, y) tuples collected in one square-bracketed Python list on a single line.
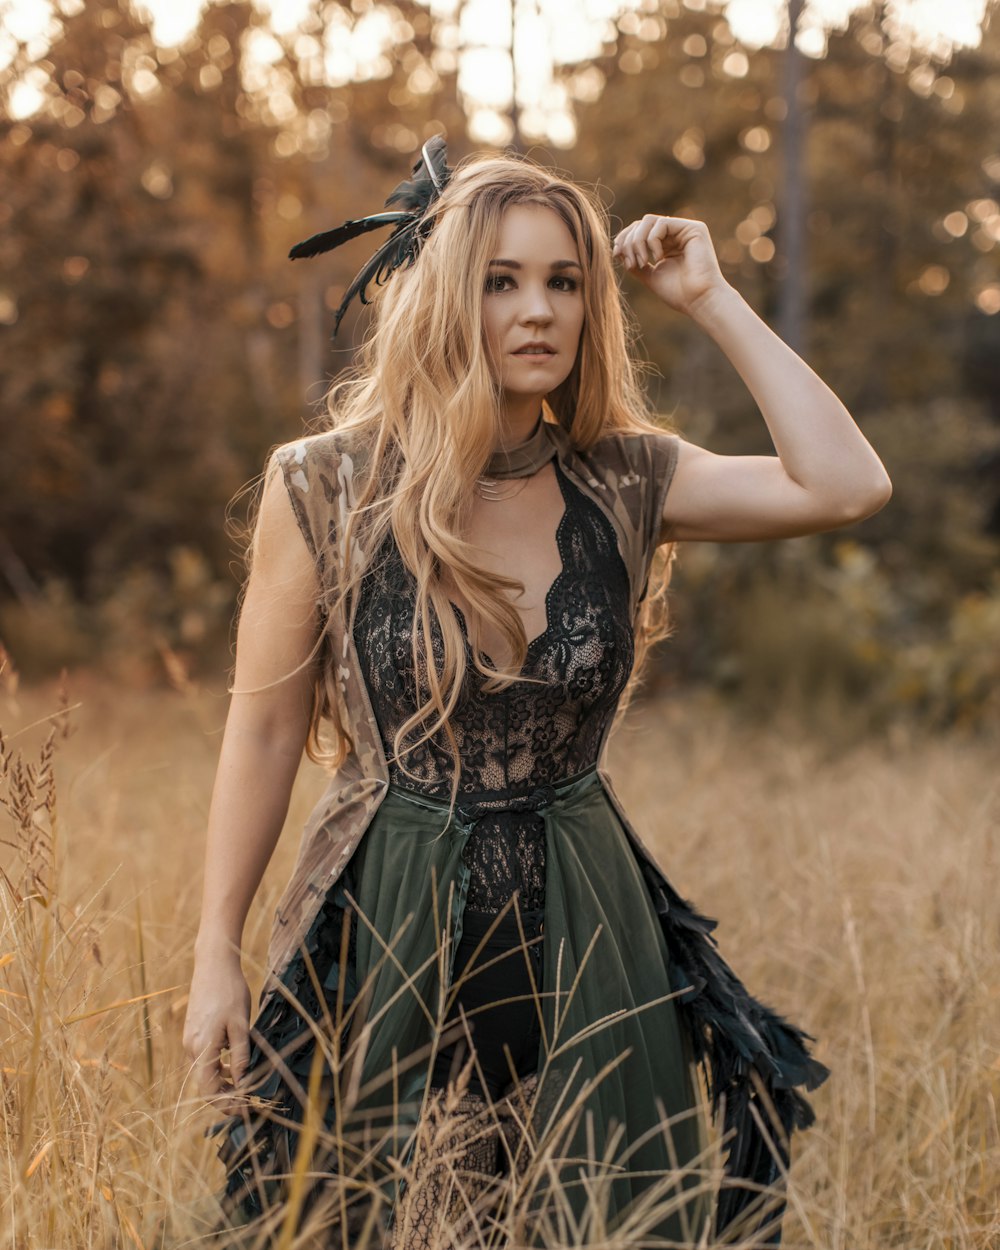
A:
[(556, 264)]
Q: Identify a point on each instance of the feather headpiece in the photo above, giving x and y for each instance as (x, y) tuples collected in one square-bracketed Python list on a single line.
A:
[(414, 196)]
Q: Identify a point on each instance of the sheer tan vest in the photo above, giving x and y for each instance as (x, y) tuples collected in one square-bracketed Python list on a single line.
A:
[(626, 475)]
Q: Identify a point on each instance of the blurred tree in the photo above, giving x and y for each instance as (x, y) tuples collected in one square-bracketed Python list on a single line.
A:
[(131, 229), (349, 149), (902, 165), (157, 340), (150, 207), (902, 287), (791, 195)]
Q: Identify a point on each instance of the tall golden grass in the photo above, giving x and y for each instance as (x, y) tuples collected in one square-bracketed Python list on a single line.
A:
[(855, 885)]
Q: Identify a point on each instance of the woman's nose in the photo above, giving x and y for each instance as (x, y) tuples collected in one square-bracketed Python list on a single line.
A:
[(537, 306)]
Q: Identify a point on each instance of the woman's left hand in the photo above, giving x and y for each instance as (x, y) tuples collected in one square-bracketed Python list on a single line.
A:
[(673, 257)]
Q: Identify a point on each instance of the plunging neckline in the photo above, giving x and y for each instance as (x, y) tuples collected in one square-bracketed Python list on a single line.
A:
[(556, 581)]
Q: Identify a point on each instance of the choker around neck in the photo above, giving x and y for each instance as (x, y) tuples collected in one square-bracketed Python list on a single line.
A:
[(524, 459)]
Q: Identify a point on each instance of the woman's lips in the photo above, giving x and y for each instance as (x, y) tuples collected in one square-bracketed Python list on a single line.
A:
[(536, 355)]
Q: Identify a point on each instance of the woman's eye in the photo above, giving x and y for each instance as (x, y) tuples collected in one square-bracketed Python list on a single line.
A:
[(494, 283)]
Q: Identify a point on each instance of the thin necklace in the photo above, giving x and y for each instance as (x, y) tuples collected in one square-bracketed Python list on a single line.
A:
[(524, 460), (486, 489)]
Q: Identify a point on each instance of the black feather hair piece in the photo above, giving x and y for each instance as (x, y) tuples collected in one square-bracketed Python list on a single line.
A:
[(413, 197)]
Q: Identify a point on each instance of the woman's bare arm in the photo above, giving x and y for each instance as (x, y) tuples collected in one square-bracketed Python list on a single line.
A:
[(825, 474), (265, 733)]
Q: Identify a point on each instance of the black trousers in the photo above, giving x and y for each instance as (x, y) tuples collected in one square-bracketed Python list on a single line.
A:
[(496, 1025)]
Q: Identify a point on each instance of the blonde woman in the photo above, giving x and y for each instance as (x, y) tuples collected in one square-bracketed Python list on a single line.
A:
[(483, 994)]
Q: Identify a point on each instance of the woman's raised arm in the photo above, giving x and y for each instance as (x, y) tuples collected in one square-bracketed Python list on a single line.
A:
[(825, 474), (265, 733)]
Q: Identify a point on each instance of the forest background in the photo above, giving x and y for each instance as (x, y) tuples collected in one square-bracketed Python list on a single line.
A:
[(156, 341), (815, 760)]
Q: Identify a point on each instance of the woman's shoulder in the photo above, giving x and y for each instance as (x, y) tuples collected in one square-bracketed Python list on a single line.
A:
[(637, 443), (630, 470), (627, 457), (653, 454), (323, 448), (322, 463), (318, 472)]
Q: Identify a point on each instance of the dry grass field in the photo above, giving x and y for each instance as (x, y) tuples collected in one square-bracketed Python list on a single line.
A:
[(856, 890)]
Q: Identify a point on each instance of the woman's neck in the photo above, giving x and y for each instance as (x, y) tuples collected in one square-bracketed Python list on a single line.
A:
[(518, 428), (522, 459)]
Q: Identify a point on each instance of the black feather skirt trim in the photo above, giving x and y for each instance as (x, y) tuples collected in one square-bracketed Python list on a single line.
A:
[(258, 1148), (755, 1063)]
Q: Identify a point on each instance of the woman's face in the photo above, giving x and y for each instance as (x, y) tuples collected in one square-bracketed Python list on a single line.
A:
[(533, 294)]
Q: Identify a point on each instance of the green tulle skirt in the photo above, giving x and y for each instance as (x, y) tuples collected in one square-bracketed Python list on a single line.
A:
[(618, 1109), (634, 1000)]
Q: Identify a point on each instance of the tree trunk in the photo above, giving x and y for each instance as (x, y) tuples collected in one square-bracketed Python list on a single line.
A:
[(792, 195)]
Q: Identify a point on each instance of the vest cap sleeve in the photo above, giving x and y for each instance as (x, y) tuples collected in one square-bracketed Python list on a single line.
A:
[(313, 470)]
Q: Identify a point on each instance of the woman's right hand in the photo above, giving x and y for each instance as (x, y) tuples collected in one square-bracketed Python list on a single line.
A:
[(218, 1015), (277, 663)]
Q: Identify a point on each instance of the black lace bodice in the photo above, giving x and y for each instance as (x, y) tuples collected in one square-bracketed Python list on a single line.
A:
[(525, 736)]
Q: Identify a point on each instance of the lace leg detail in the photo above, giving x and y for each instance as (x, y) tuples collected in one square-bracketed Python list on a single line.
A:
[(453, 1169), (514, 1114)]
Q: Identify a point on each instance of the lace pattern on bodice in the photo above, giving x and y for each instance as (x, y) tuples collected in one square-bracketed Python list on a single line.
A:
[(528, 735)]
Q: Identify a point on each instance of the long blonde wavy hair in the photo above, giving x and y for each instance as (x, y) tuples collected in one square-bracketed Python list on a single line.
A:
[(423, 408)]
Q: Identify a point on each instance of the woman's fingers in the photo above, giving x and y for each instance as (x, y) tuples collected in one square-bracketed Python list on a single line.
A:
[(647, 226), (215, 1078), (632, 243), (650, 240), (658, 234), (239, 1049), (628, 247), (208, 1068), (218, 1018), (673, 257), (632, 249), (618, 245)]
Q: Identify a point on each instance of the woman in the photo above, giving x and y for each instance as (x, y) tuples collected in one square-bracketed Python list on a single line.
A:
[(478, 975)]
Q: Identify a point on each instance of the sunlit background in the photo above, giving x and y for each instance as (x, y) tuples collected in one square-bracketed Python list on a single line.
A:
[(813, 750), (158, 161), (546, 33)]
